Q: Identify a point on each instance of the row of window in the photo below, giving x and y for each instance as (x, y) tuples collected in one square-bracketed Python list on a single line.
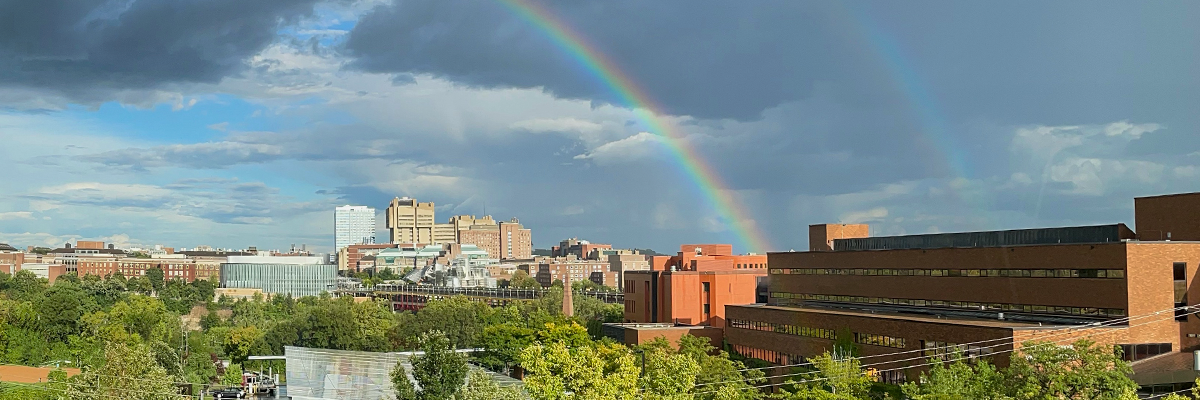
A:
[(767, 355), (1134, 352), (749, 266), (784, 328), (879, 340), (1008, 273), (819, 333), (781, 298), (947, 350)]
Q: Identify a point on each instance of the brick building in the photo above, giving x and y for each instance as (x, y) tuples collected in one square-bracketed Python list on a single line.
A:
[(173, 268), (932, 294), (71, 255), (693, 287), (579, 248), (549, 269), (348, 257), (10, 259)]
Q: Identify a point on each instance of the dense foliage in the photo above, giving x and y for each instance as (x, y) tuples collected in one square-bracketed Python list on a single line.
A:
[(139, 338)]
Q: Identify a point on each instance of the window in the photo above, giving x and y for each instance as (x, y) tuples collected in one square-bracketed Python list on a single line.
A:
[(706, 309), (1180, 271), (705, 286), (1134, 352)]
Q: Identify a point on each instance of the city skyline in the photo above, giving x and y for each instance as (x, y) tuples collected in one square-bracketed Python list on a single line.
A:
[(638, 125)]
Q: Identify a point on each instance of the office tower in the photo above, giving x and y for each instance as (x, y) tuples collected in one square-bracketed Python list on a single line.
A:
[(353, 225)]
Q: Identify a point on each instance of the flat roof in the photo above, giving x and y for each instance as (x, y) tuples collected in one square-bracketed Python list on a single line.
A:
[(652, 326), (1168, 195), (976, 322), (999, 238)]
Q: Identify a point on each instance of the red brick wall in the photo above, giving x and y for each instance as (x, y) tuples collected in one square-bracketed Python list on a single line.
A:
[(1178, 214), (1067, 292), (820, 237)]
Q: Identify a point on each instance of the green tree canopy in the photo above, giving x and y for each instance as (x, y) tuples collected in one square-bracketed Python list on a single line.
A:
[(440, 371)]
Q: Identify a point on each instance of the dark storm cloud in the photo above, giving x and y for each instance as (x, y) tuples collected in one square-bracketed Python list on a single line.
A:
[(715, 59), (686, 54), (84, 48)]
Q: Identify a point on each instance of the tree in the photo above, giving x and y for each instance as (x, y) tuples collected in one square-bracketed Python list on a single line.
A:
[(837, 378), (155, 275), (387, 274), (959, 379), (555, 371), (588, 285), (240, 341), (128, 372), (719, 377), (232, 376), (1082, 370), (668, 375), (503, 344), (481, 386), (60, 309), (441, 372), (460, 318), (522, 280)]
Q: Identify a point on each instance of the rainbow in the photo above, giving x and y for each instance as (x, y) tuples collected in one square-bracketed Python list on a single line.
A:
[(633, 97), (934, 129)]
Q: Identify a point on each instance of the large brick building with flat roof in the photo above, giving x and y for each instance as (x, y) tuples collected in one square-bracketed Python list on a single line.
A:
[(693, 287), (981, 292)]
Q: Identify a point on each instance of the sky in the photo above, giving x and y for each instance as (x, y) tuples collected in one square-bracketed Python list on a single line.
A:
[(236, 123)]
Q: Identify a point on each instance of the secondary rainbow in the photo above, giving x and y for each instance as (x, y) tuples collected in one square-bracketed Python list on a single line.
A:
[(632, 96)]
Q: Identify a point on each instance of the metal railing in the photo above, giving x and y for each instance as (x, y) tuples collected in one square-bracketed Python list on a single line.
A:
[(385, 289)]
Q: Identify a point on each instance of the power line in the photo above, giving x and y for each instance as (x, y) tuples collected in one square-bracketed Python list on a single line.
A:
[(959, 346), (1080, 326), (930, 363)]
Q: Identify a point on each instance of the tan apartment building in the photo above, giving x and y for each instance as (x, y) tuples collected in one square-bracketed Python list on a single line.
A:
[(409, 221), (413, 223)]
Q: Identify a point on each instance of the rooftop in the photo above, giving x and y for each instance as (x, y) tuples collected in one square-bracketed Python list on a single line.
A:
[(1064, 235), (975, 322)]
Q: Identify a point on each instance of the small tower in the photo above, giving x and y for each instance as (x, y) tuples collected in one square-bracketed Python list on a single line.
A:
[(568, 304)]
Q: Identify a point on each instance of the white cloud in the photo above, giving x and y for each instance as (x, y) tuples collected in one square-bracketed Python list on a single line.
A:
[(1092, 176), (1188, 171), (557, 125), (16, 215), (858, 217), (634, 148)]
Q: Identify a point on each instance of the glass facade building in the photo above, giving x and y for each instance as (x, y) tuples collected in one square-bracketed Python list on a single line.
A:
[(298, 276)]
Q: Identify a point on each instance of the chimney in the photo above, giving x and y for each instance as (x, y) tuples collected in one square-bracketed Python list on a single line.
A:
[(568, 304)]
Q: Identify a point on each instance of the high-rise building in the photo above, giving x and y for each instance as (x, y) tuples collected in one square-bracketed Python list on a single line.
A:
[(410, 222), (353, 225), (516, 242)]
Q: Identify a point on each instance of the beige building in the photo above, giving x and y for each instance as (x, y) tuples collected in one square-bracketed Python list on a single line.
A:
[(411, 222)]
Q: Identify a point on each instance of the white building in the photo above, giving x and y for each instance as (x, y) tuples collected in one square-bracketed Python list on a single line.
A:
[(353, 225)]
